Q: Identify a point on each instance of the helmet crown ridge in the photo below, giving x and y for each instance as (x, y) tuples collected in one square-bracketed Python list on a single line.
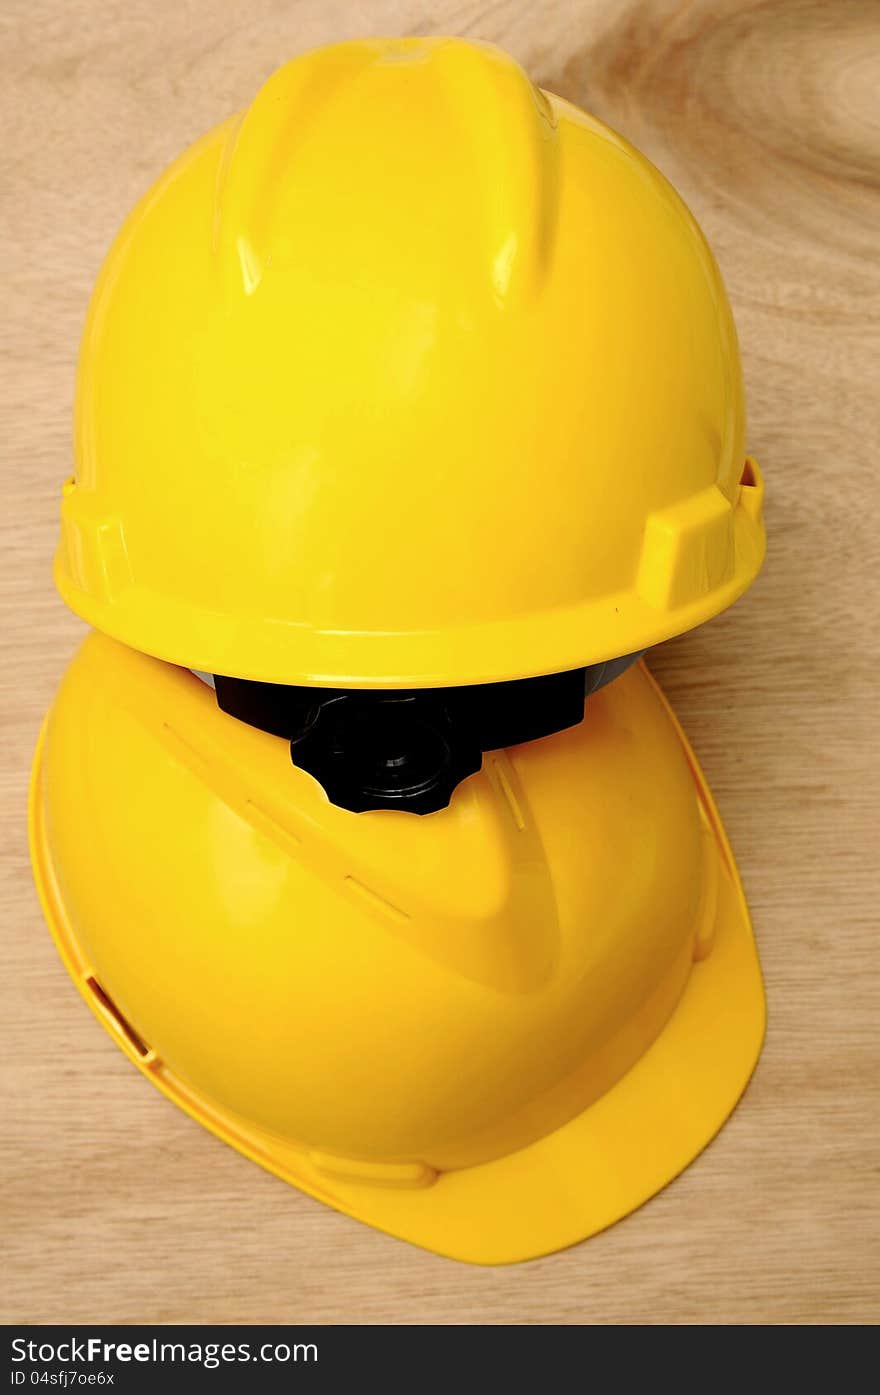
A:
[(503, 164)]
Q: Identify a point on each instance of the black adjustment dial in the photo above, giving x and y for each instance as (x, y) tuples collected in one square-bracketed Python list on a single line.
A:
[(385, 751)]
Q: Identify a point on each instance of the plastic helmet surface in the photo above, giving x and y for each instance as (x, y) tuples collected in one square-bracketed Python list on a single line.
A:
[(491, 1031), (411, 375)]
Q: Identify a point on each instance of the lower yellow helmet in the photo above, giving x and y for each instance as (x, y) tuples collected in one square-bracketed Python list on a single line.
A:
[(409, 414), (491, 1031)]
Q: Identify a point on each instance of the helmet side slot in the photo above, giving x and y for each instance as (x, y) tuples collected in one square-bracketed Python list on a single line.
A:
[(121, 1024)]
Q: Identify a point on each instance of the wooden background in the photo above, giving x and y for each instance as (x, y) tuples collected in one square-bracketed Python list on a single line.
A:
[(115, 1206)]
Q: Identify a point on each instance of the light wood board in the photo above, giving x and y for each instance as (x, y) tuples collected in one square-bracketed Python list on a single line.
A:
[(115, 1206)]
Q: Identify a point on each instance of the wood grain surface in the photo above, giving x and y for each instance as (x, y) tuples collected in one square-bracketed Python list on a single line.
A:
[(115, 1206)]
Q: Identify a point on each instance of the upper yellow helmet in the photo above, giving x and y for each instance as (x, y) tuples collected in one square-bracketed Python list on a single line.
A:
[(412, 375)]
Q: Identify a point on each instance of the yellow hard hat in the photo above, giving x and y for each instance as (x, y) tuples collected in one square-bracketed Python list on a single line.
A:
[(411, 375), (492, 1031), (417, 387)]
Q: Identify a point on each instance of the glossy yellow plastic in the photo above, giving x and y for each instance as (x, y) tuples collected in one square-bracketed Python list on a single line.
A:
[(491, 1031), (410, 375)]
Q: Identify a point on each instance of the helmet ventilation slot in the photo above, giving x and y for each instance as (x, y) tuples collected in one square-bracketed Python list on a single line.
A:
[(122, 1025)]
